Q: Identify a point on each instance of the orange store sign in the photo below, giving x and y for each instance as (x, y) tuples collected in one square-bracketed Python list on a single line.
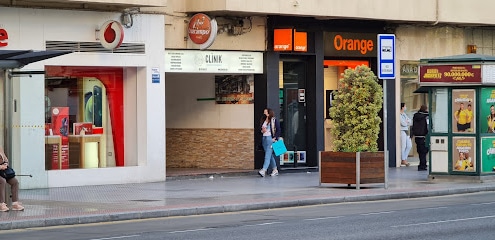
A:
[(290, 40), (350, 44)]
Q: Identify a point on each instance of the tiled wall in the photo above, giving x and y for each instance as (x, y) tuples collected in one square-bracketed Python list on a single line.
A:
[(210, 148)]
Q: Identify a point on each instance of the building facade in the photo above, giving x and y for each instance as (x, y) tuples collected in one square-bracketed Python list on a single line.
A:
[(165, 99), (94, 116), (422, 28)]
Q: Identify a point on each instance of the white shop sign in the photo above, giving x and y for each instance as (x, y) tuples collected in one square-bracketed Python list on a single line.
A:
[(191, 61)]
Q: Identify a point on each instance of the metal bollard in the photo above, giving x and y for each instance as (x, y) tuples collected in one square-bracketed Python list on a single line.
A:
[(295, 156)]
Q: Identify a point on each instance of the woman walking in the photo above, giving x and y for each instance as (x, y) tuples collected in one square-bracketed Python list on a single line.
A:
[(270, 128)]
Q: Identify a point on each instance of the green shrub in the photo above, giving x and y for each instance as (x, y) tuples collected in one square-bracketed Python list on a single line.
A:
[(356, 105)]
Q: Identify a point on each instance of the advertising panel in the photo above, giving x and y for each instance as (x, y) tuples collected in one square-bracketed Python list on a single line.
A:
[(488, 154), (60, 124), (463, 154), (463, 106), (450, 74), (234, 89), (487, 110)]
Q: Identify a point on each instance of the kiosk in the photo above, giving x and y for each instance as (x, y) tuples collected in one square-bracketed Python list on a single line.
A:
[(461, 93)]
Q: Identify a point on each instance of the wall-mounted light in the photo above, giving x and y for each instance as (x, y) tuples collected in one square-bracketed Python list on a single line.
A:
[(127, 17), (471, 48), (127, 21)]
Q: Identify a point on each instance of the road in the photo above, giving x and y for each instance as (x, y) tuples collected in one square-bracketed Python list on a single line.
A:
[(466, 216)]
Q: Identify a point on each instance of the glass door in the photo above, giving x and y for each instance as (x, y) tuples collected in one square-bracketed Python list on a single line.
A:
[(292, 82)]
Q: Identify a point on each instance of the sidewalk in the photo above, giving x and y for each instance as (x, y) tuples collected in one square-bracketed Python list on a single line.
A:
[(213, 194)]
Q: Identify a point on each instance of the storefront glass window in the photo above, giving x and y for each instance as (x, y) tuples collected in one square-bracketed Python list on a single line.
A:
[(84, 117), (439, 110)]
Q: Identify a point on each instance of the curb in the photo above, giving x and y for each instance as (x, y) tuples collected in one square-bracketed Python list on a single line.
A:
[(232, 207)]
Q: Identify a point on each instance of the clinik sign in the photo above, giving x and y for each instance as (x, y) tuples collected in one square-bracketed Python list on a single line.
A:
[(362, 45), (3, 37)]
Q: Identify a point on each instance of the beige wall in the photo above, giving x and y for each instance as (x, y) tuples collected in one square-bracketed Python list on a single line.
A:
[(252, 40), (449, 11), (462, 11), (185, 111), (203, 134), (368, 9)]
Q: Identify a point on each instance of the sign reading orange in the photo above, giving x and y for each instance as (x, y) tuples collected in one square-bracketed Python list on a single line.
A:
[(283, 40), (349, 44)]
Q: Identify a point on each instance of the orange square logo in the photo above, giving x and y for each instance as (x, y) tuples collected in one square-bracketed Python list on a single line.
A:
[(282, 40), (300, 41)]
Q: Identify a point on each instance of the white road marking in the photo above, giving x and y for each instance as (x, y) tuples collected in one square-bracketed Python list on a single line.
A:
[(120, 237), (488, 203), (192, 230), (445, 221), (207, 229), (322, 218), (261, 224), (376, 213)]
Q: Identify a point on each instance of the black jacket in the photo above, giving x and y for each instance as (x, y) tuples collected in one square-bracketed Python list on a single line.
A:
[(420, 125)]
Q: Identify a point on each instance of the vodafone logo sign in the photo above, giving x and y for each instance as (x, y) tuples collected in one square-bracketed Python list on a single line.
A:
[(111, 34), (4, 36), (202, 30)]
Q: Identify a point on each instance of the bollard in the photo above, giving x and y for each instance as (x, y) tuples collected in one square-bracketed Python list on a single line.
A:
[(295, 156)]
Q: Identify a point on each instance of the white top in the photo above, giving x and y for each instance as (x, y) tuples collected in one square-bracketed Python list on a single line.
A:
[(268, 132), (405, 122)]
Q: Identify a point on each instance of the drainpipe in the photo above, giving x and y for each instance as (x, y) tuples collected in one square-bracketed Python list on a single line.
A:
[(436, 13)]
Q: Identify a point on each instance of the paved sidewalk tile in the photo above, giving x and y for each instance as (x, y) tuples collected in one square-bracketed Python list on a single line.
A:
[(88, 204)]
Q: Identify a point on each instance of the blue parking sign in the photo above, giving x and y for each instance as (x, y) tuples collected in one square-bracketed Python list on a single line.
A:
[(386, 56)]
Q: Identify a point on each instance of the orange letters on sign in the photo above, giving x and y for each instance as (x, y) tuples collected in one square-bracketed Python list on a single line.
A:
[(300, 41), (282, 40), (3, 37)]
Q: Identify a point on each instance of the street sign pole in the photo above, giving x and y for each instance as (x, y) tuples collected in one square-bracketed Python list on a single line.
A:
[(386, 70)]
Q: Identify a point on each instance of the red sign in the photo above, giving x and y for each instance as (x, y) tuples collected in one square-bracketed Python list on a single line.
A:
[(111, 35), (3, 37), (60, 124), (199, 28), (450, 74)]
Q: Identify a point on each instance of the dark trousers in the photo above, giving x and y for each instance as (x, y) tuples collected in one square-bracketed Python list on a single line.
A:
[(422, 151)]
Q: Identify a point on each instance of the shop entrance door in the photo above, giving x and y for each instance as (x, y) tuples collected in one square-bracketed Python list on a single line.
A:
[(292, 83)]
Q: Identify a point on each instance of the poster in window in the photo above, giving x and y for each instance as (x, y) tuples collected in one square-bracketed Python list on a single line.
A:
[(488, 154), (234, 89), (463, 108), (487, 110), (463, 154)]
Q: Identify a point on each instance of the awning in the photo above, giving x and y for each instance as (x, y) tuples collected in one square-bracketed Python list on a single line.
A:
[(422, 89), (20, 58)]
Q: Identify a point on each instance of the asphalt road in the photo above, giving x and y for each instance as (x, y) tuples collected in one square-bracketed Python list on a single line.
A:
[(466, 216)]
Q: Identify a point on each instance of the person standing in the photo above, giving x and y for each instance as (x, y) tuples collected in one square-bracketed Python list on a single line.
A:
[(405, 140), (12, 181), (420, 130), (270, 128)]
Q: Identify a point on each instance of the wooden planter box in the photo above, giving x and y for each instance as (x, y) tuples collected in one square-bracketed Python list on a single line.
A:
[(352, 168)]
